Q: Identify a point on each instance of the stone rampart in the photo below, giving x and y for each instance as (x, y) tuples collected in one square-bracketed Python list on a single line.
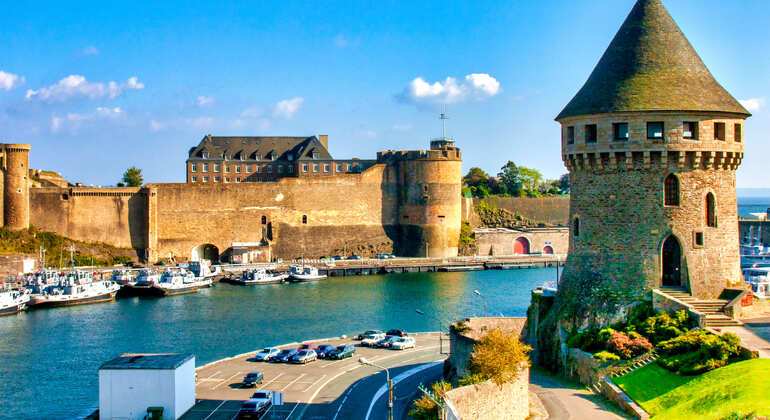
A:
[(551, 210), (488, 400)]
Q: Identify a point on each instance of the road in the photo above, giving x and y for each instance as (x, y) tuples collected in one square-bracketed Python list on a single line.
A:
[(567, 401)]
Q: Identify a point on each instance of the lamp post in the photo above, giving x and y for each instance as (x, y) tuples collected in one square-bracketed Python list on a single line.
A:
[(476, 292), (364, 361), (427, 253)]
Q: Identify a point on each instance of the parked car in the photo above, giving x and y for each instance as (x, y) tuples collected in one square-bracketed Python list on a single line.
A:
[(398, 333), (262, 395), (386, 342), (284, 356), (402, 343), (354, 257), (342, 352), (337, 258), (368, 332), (323, 350), (252, 379), (307, 346), (370, 339), (381, 256), (304, 356), (390, 256), (266, 354), (254, 409)]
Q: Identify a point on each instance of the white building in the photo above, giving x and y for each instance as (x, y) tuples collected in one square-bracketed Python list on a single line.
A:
[(131, 383)]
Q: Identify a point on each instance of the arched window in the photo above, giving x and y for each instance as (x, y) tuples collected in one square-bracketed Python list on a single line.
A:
[(671, 190), (576, 226), (264, 220), (304, 219), (711, 211)]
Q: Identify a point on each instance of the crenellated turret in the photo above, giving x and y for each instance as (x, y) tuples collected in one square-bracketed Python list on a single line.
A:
[(15, 168)]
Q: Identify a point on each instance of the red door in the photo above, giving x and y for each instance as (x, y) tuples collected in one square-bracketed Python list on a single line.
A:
[(548, 250), (521, 246)]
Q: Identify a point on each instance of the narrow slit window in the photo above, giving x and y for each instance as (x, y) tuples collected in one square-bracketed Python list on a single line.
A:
[(719, 131), (304, 219), (576, 226), (671, 190), (711, 208), (738, 133), (571, 135)]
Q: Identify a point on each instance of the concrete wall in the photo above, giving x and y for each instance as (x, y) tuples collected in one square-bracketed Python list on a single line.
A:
[(491, 402), (501, 241), (13, 264), (551, 210)]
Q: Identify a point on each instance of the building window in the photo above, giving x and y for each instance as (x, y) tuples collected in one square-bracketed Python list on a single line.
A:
[(339, 167), (194, 179), (248, 168), (738, 133), (326, 167), (237, 180), (227, 179), (227, 168), (270, 168), (576, 226), (698, 239), (290, 169), (621, 131), (216, 179), (194, 167), (243, 157), (315, 167), (280, 169), (259, 169), (304, 167), (264, 220), (570, 135), (205, 155), (205, 179), (205, 167), (671, 190), (711, 210), (655, 130), (304, 219), (290, 157), (690, 130), (259, 157), (226, 156), (216, 167), (590, 133), (238, 169), (719, 131), (315, 155)]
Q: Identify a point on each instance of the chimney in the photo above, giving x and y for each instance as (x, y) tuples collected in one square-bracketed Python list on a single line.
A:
[(324, 139)]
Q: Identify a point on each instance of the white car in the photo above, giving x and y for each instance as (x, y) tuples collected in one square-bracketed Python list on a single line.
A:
[(263, 396), (402, 343), (267, 353), (371, 339)]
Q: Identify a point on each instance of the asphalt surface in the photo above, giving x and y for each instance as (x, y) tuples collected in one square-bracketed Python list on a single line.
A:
[(342, 389)]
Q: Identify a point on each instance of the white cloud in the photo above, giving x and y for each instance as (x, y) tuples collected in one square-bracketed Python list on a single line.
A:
[(752, 104), (199, 122), (73, 121), (204, 101), (475, 86), (253, 112), (10, 81), (156, 126), (74, 86), (89, 50), (288, 107), (401, 127)]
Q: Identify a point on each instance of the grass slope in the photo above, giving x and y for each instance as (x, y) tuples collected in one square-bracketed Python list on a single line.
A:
[(738, 387), (57, 247)]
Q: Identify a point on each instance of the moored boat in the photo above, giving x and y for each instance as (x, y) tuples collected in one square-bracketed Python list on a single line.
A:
[(177, 281), (300, 273), (123, 277), (759, 280), (75, 288), (260, 276), (13, 301)]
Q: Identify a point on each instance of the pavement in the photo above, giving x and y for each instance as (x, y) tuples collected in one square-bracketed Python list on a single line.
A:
[(755, 334), (565, 400), (340, 389)]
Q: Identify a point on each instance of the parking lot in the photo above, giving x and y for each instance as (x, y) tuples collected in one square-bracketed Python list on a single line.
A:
[(318, 383)]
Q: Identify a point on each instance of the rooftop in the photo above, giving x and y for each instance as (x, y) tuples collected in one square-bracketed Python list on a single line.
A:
[(148, 361), (650, 66)]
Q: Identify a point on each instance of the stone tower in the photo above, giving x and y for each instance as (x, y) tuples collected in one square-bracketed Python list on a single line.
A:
[(15, 184), (652, 142), (426, 190)]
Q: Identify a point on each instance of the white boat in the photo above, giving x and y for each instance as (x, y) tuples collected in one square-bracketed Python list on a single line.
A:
[(260, 276), (123, 277), (13, 301), (759, 280), (203, 269), (177, 281), (38, 281), (299, 273), (76, 288)]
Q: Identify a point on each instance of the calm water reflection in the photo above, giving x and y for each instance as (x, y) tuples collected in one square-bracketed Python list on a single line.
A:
[(49, 358)]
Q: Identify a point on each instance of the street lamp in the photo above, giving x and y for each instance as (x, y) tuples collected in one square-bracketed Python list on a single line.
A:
[(364, 361), (476, 292)]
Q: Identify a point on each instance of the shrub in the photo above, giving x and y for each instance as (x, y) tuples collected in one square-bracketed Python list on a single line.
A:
[(498, 357), (424, 407), (665, 326), (606, 356), (121, 259), (472, 379), (697, 351), (628, 347), (588, 340)]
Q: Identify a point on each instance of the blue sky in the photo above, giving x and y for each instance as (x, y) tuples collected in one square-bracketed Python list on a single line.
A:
[(96, 87)]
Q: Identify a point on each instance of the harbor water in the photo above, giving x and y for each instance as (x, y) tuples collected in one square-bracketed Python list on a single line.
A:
[(50, 358)]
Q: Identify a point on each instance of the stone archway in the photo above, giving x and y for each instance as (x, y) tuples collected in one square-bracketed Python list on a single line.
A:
[(521, 245), (548, 249), (205, 252), (671, 262)]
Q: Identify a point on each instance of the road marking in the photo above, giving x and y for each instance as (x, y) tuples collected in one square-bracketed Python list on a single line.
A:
[(215, 410), (225, 380), (343, 400), (311, 385), (380, 392), (274, 379), (292, 411), (292, 382), (213, 374)]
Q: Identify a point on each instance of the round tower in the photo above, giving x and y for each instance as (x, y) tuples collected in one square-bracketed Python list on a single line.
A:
[(16, 186), (652, 142)]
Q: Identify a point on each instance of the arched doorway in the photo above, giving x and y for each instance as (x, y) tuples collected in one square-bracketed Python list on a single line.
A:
[(672, 262), (205, 252), (548, 250), (521, 245)]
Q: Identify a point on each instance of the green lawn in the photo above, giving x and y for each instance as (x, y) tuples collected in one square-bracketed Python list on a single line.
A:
[(738, 387)]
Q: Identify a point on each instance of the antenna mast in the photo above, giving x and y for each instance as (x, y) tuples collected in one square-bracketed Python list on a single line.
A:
[(443, 119)]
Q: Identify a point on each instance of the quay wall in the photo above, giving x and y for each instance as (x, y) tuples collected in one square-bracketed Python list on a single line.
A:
[(494, 242)]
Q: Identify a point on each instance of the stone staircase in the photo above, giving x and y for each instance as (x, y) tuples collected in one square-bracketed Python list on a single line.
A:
[(642, 361), (713, 309)]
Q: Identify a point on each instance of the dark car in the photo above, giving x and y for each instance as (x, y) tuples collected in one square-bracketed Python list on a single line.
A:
[(367, 332), (354, 257), (252, 379), (323, 350), (284, 355), (254, 409), (341, 352), (387, 341), (398, 333), (337, 258)]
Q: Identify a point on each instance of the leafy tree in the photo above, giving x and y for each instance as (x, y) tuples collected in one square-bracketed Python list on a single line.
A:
[(564, 185), (475, 176), (510, 176), (425, 408), (498, 357), (530, 180), (133, 177)]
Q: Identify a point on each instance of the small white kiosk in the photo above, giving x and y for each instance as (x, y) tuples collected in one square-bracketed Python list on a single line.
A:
[(131, 383)]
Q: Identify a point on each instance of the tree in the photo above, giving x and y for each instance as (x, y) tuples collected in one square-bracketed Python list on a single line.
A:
[(133, 177), (510, 177), (564, 185), (475, 177), (530, 180), (498, 357), (424, 407)]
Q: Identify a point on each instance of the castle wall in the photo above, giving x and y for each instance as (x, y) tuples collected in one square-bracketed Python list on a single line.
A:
[(552, 210), (16, 187), (116, 216), (501, 241)]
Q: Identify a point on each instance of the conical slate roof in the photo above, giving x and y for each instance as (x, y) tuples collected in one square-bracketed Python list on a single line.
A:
[(650, 66)]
